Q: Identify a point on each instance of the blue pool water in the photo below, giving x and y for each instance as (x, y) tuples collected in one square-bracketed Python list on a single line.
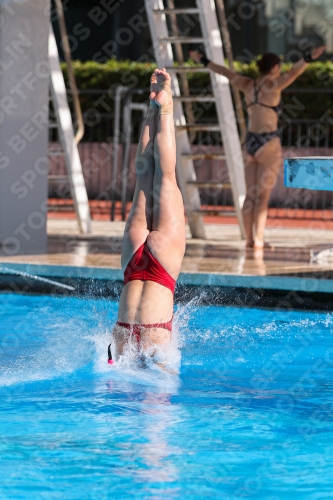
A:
[(249, 416)]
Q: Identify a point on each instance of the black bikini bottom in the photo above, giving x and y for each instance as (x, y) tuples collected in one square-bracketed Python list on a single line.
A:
[(254, 141)]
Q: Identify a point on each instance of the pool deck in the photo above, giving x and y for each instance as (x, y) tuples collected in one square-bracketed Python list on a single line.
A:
[(220, 260)]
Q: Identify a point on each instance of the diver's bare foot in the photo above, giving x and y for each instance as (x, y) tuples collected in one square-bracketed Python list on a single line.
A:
[(249, 244), (153, 90), (164, 96)]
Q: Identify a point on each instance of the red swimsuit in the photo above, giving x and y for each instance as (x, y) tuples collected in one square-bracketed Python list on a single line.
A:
[(143, 266)]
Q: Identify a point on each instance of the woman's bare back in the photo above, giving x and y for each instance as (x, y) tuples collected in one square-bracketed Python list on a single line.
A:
[(261, 118)]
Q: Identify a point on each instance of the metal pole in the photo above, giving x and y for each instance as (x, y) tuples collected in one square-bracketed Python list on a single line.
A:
[(116, 127), (228, 49), (66, 136), (71, 78), (127, 135), (127, 128)]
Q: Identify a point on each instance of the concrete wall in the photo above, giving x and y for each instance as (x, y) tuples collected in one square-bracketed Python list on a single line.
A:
[(24, 82)]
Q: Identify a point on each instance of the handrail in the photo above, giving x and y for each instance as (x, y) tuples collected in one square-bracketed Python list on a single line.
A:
[(119, 92), (71, 78), (228, 49)]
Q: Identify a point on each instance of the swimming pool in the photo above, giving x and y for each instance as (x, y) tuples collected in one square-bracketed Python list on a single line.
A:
[(250, 414)]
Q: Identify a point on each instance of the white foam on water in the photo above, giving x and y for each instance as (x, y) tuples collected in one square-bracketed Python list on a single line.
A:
[(64, 344), (65, 351), (159, 368)]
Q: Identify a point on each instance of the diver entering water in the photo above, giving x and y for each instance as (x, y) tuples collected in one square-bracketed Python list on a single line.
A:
[(154, 237)]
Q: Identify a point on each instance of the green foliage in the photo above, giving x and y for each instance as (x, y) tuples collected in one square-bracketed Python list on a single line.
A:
[(92, 75)]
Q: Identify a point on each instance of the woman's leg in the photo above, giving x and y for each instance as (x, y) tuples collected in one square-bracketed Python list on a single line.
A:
[(167, 240), (269, 163), (139, 222), (250, 199)]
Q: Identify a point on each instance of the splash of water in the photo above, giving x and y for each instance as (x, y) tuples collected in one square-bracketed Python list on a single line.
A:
[(159, 368)]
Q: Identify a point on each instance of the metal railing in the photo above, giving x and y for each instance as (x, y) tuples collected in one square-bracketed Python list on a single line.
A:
[(104, 176)]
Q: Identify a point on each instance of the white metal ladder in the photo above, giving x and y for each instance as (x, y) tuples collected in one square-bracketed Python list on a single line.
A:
[(63, 122), (226, 125)]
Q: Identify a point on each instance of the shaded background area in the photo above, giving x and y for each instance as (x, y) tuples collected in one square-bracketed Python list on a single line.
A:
[(118, 28)]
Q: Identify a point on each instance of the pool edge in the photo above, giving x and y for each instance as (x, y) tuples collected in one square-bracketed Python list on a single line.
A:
[(283, 283)]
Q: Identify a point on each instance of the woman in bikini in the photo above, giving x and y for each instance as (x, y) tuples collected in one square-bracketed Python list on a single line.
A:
[(154, 237), (262, 144)]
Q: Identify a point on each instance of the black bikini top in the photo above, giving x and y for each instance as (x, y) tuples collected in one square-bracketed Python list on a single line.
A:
[(278, 109)]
